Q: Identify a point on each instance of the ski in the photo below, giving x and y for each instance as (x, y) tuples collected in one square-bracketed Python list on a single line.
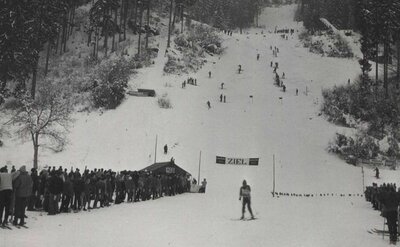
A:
[(379, 231), (5, 227), (244, 219)]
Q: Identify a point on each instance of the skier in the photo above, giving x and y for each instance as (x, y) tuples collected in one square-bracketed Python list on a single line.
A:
[(283, 88), (240, 68), (297, 92), (209, 105), (224, 98), (222, 85), (272, 63), (245, 193), (165, 149), (258, 57), (209, 74), (376, 172), (220, 98), (283, 75)]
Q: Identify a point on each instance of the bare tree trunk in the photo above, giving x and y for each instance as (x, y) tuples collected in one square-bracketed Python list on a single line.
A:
[(120, 20), (35, 142), (71, 22), (398, 60), (105, 32), (125, 17), (174, 19), (89, 38), (57, 42), (47, 58), (376, 63), (133, 12), (386, 66), (135, 18), (34, 74), (65, 34), (113, 39), (182, 18), (148, 24), (169, 24), (140, 27)]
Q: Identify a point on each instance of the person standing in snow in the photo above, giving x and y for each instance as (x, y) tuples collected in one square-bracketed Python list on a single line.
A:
[(209, 74), (376, 172), (220, 98), (23, 189), (203, 186), (240, 68), (165, 149), (209, 105), (222, 85), (258, 57), (390, 200), (224, 98), (5, 195), (245, 194)]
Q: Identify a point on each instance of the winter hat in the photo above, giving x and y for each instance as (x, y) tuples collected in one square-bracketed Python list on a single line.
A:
[(22, 169)]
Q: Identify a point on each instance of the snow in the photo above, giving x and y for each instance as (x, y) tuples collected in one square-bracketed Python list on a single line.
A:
[(353, 42), (290, 129)]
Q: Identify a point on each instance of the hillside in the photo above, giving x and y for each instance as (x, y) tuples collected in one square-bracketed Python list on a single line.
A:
[(271, 123)]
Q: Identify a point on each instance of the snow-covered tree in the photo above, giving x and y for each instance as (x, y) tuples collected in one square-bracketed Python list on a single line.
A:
[(47, 117)]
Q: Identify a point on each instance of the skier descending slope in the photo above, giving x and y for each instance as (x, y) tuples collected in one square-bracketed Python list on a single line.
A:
[(245, 193)]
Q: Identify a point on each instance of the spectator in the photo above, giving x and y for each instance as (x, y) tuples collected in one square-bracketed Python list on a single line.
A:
[(23, 189), (5, 195)]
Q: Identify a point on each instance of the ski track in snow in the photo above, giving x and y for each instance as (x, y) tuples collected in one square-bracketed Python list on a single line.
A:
[(289, 128)]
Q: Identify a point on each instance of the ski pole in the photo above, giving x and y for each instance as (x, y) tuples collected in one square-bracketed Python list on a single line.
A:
[(383, 232)]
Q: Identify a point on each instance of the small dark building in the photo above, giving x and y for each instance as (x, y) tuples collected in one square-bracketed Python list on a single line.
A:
[(165, 168)]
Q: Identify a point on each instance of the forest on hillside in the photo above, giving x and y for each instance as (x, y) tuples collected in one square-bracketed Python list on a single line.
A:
[(370, 104)]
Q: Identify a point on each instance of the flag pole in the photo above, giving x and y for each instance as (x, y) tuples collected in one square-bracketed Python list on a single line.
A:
[(273, 185), (155, 151), (198, 177)]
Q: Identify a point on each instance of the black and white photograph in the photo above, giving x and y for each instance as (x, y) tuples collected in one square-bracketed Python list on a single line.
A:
[(199, 123)]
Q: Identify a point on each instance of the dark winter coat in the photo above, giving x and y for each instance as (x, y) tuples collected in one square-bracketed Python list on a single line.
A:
[(390, 200), (79, 185), (23, 185), (56, 185), (35, 180), (129, 185), (68, 188)]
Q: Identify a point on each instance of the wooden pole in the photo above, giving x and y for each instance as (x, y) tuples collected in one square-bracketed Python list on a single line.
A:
[(273, 185), (198, 176), (362, 171), (155, 151)]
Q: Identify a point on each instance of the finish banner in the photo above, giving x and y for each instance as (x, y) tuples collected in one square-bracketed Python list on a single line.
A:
[(237, 161)]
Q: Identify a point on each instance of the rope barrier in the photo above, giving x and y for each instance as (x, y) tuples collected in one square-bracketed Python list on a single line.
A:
[(309, 195)]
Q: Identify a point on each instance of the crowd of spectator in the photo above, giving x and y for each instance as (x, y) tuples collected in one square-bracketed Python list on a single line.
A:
[(61, 190), (386, 199)]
